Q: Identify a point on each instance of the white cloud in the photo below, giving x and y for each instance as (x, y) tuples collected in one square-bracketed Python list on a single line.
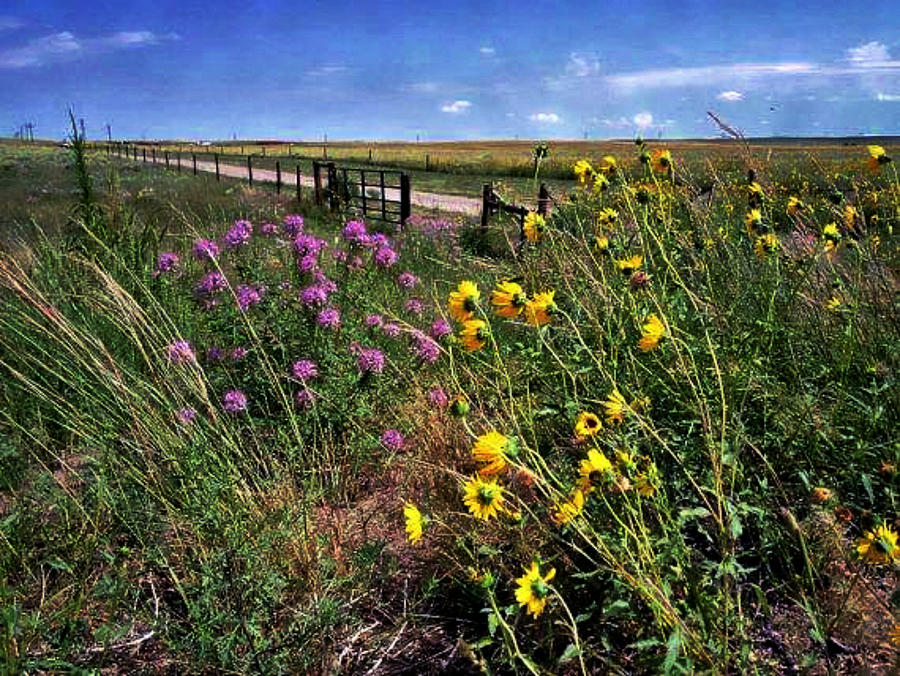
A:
[(642, 120), (456, 107), (65, 45), (582, 65), (680, 77), (10, 22), (545, 118), (869, 53), (326, 71), (730, 96), (487, 51), (881, 96)]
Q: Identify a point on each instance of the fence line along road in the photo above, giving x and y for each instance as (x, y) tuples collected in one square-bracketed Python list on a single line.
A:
[(427, 200)]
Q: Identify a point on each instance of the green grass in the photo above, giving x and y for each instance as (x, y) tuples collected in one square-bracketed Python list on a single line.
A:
[(273, 540)]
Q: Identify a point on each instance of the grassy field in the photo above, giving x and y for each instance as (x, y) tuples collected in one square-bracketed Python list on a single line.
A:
[(241, 435)]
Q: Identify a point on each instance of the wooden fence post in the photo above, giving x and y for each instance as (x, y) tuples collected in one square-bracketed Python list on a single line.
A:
[(298, 183), (167, 158), (543, 205), (317, 182), (370, 155), (194, 160), (427, 162), (277, 176), (405, 209), (249, 168), (153, 154), (216, 155), (144, 155), (178, 158), (486, 193)]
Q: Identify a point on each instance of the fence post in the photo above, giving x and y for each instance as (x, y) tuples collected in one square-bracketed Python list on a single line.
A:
[(405, 210), (298, 183), (362, 189), (153, 154), (217, 165), (264, 151), (167, 158), (333, 197), (277, 176), (370, 155), (486, 193), (317, 182), (144, 155), (178, 158), (543, 205), (194, 160), (427, 162), (249, 169)]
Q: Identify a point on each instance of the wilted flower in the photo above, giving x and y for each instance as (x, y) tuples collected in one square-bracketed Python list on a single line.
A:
[(305, 398)]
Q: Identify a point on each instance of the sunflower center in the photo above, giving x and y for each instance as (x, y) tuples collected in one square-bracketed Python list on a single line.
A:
[(595, 476), (540, 589), (487, 495), (469, 304)]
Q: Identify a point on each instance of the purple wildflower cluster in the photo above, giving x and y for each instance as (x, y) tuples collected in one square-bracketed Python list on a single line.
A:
[(305, 398), (238, 353), (385, 257), (248, 296), (440, 329), (329, 318), (308, 249), (234, 401), (209, 285), (413, 306), (166, 262), (269, 229), (427, 348), (205, 250), (392, 440), (180, 352), (238, 234), (374, 321), (438, 398), (304, 370), (370, 360), (214, 355), (355, 233), (407, 280), (293, 224), (185, 416)]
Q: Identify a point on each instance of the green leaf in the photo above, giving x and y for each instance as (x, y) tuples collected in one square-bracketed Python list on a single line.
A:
[(493, 622), (570, 653), (673, 648)]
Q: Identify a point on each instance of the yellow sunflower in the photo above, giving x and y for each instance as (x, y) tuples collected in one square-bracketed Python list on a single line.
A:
[(652, 332), (494, 449), (879, 546), (831, 233), (755, 194), (483, 498), (627, 266), (474, 334), (587, 425), (564, 512), (616, 407), (601, 183), (609, 165), (661, 161), (766, 244), (533, 589), (583, 171), (538, 311), (594, 470), (795, 206), (607, 216), (415, 522), (534, 226), (464, 301), (508, 299), (753, 220), (851, 215), (877, 157), (601, 244)]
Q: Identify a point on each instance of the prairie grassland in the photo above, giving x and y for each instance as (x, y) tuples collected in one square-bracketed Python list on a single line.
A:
[(657, 436)]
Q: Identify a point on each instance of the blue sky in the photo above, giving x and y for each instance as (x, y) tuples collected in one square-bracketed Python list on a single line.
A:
[(449, 70)]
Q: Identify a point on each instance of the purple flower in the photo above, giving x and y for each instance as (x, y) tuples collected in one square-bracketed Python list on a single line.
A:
[(385, 257), (407, 280), (354, 231), (307, 245), (293, 224), (329, 318), (323, 281), (185, 416), (304, 369), (378, 240), (215, 354), (205, 250), (440, 328), (374, 321), (248, 296), (180, 352), (438, 397), (238, 234), (234, 401), (391, 330), (392, 440), (166, 262), (339, 255), (413, 306), (211, 283), (313, 296), (238, 353), (269, 229), (308, 263), (305, 398), (428, 350), (370, 360)]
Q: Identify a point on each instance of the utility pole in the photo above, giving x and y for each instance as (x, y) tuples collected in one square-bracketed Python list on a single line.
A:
[(108, 133), (81, 122)]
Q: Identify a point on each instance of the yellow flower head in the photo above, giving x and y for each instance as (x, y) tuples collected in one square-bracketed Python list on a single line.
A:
[(415, 522), (601, 183), (540, 309), (795, 206), (474, 334), (646, 483), (894, 634), (755, 194), (464, 301), (601, 243), (608, 164), (508, 299), (534, 226), (850, 216), (616, 407), (627, 266), (626, 462), (877, 157), (607, 216), (533, 589), (594, 470), (494, 449), (766, 244), (483, 498), (834, 303), (661, 161), (831, 233), (583, 171), (652, 332), (753, 220), (587, 425), (879, 546), (564, 512)]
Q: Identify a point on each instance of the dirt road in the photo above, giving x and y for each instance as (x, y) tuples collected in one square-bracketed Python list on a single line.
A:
[(427, 200)]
